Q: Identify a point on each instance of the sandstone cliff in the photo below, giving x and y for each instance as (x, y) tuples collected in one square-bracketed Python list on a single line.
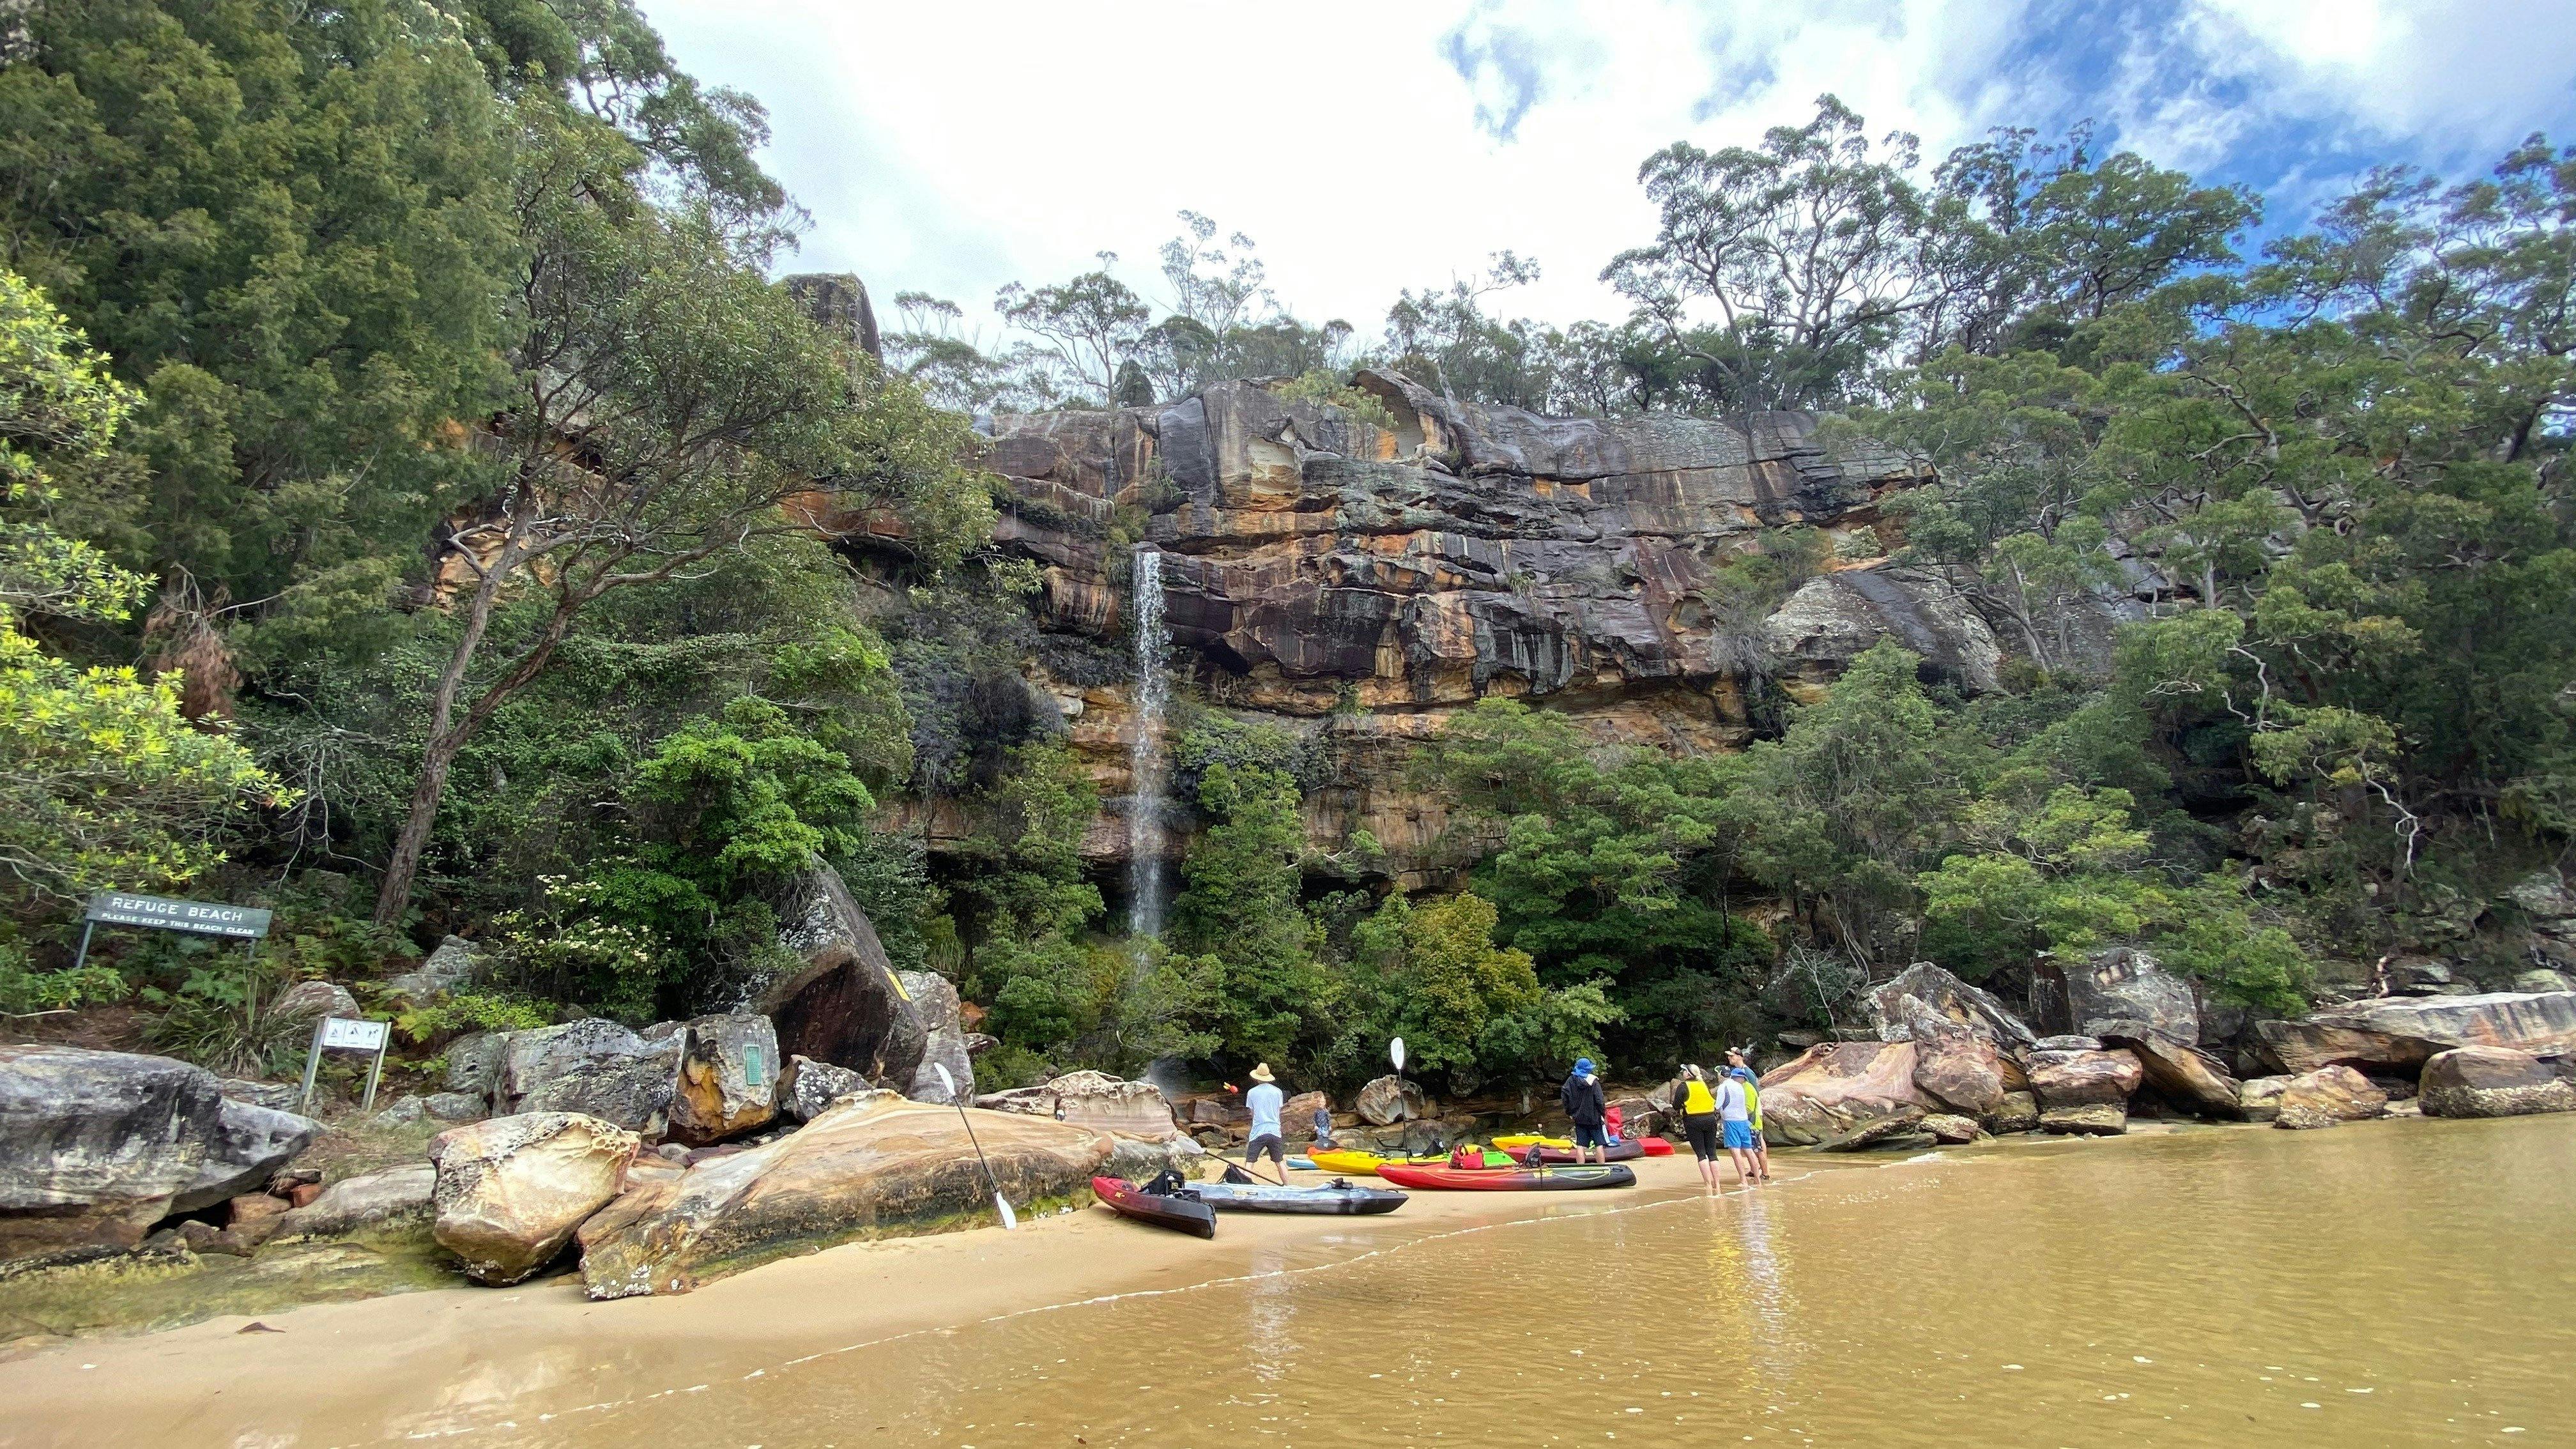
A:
[(1359, 583)]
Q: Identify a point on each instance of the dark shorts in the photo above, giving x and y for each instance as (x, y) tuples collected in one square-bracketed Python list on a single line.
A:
[(1265, 1145), (1591, 1134), (1702, 1132)]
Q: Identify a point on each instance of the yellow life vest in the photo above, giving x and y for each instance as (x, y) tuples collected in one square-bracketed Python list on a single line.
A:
[(1695, 1097)]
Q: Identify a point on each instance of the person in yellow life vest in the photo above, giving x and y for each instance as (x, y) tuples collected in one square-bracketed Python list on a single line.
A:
[(1698, 1108), (1738, 1066)]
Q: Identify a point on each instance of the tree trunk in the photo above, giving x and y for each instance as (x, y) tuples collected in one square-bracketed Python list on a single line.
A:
[(394, 896)]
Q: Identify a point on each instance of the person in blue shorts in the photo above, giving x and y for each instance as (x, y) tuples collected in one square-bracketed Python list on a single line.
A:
[(1735, 1126)]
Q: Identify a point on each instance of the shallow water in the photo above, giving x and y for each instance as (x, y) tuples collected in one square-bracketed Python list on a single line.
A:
[(2389, 1284)]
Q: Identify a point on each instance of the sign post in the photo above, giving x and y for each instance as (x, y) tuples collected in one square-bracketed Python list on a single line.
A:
[(339, 1033), (246, 924)]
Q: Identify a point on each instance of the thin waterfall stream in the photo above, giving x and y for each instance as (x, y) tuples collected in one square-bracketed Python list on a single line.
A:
[(1147, 890)]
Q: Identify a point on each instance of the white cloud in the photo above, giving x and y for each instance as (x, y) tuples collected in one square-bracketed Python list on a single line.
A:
[(950, 148)]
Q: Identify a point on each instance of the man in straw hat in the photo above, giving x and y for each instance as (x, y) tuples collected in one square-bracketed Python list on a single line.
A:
[(1264, 1102)]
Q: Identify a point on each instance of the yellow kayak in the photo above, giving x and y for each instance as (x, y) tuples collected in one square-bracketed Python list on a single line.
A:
[(1515, 1143), (1366, 1164)]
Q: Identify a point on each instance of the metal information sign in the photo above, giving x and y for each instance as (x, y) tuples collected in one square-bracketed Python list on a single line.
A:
[(339, 1033), (162, 913), (198, 918)]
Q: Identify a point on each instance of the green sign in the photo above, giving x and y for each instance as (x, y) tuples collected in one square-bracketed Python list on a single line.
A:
[(198, 918)]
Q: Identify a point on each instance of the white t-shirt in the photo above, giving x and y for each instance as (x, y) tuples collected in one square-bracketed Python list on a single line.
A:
[(1731, 1106), (1263, 1102)]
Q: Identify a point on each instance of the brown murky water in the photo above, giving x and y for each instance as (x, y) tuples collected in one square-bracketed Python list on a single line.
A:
[(2388, 1284)]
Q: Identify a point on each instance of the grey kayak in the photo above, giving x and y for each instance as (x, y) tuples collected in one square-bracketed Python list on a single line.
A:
[(1238, 1197)]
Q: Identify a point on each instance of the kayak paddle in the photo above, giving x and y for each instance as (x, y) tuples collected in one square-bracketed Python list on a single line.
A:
[(1010, 1219)]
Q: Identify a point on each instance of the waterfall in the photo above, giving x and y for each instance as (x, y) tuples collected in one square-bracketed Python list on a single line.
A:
[(1146, 890)]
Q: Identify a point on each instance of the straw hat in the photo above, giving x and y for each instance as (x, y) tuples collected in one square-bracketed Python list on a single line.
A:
[(1261, 1072)]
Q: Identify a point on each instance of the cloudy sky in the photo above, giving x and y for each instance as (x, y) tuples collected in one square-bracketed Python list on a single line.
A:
[(951, 147)]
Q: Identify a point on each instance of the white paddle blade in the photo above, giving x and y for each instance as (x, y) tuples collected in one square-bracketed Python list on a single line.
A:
[(946, 1081), (1010, 1219), (1395, 1053)]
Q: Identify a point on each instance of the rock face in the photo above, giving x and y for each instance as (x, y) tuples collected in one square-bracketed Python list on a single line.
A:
[(629, 1091), (1950, 1130), (2018, 1112), (1093, 1100), (1962, 1072), (2184, 1075), (2258, 1099), (454, 966), (1391, 1099), (511, 1191), (1843, 1095), (2122, 983), (934, 1000), (2335, 1094), (2492, 1082), (808, 1088), (531, 1061), (2402, 1032), (2091, 1119), (376, 1202), (1949, 999), (97, 1146), (844, 1004), (312, 999), (728, 1078), (1360, 583), (859, 1168), (2084, 1079)]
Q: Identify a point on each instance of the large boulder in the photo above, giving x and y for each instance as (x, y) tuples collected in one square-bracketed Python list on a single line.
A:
[(2083, 1078), (2018, 1112), (1963, 1072), (2336, 1093), (728, 1078), (808, 1088), (454, 966), (309, 1000), (529, 1060), (1095, 1100), (1297, 1114), (388, 1201), (934, 1000), (2122, 983), (1389, 1100), (96, 1146), (2184, 1075), (511, 1191), (1843, 1095), (474, 1063), (2088, 1119), (859, 1169), (633, 1092), (842, 1002), (2491, 1082), (2401, 1033), (2258, 1099), (1948, 999)]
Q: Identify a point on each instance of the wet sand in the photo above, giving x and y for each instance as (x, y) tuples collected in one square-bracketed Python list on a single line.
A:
[(2391, 1283), (468, 1359)]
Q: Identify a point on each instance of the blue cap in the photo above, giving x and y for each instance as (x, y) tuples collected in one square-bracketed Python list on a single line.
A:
[(1583, 1066), (1741, 1074)]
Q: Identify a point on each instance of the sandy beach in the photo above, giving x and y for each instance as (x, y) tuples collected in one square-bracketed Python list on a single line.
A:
[(467, 1360)]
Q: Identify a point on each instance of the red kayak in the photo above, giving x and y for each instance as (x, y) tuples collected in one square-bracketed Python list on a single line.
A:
[(1515, 1179), (1655, 1146), (1175, 1210)]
